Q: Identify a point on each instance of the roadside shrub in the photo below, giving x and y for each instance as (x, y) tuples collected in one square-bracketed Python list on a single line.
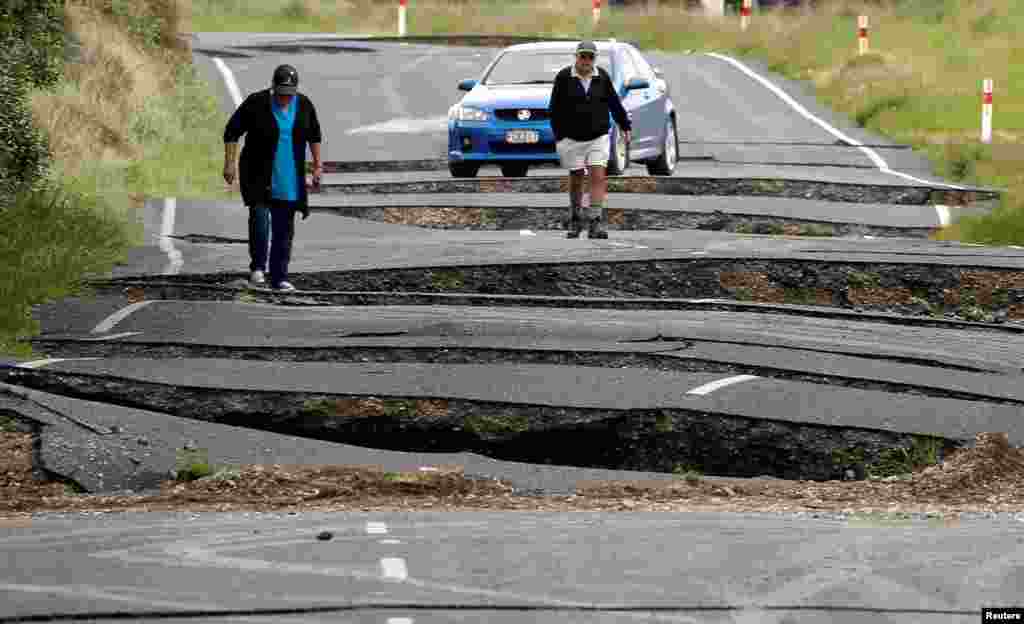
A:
[(31, 51)]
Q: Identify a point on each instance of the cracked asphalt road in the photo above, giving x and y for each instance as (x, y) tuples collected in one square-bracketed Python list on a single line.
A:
[(739, 567)]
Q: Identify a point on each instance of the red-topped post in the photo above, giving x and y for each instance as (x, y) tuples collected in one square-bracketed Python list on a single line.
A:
[(986, 111)]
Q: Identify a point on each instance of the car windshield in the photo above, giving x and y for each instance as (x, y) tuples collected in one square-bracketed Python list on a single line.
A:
[(534, 67)]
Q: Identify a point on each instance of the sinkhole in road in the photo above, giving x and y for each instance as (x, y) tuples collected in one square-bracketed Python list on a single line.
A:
[(672, 440)]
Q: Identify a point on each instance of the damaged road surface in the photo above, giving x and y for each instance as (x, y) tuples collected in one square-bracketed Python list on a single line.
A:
[(726, 393), (739, 346)]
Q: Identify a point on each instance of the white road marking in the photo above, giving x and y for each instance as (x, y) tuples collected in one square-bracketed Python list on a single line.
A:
[(112, 336), (405, 125), (785, 97), (166, 243), (229, 80), (708, 388), (394, 568), (402, 620), (943, 212), (376, 528), (108, 323), (389, 542), (527, 233), (42, 363)]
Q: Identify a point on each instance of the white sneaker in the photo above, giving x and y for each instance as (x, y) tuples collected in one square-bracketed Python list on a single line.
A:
[(285, 286), (257, 278)]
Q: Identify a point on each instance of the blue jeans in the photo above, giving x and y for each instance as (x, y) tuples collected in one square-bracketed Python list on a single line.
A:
[(271, 225)]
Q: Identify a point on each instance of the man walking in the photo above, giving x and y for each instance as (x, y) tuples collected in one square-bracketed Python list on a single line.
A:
[(581, 99), (278, 123)]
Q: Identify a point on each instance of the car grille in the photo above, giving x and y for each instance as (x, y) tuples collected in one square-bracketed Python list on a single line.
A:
[(512, 114)]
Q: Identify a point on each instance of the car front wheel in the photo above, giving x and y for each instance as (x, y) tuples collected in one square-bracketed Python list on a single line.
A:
[(463, 169), (665, 164)]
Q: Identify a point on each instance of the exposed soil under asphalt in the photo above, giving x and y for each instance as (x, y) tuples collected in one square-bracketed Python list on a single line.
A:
[(987, 477)]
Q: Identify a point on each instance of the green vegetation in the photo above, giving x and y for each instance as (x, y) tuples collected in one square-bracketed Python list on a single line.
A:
[(399, 408), (447, 279), (862, 279), (192, 464), (496, 425), (923, 452)]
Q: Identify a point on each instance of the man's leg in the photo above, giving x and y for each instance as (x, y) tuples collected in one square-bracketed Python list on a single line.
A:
[(598, 211), (575, 199), (259, 237), (282, 216)]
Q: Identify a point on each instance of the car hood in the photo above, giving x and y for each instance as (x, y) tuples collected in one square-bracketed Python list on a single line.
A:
[(510, 96)]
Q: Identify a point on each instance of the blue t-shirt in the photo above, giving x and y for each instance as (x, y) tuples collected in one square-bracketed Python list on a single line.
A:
[(284, 184)]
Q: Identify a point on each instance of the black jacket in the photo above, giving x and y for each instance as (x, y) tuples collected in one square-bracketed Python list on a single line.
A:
[(582, 117), (255, 119)]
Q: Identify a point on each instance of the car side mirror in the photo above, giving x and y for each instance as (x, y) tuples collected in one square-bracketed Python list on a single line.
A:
[(637, 83), (467, 85)]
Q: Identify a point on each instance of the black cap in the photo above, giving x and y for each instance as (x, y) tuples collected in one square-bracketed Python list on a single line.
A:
[(587, 46), (286, 80)]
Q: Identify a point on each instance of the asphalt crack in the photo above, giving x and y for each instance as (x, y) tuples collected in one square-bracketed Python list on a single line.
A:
[(659, 439)]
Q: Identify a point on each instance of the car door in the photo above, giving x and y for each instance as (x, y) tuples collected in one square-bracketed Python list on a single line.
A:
[(648, 108)]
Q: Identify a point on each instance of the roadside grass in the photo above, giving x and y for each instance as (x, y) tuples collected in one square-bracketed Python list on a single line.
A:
[(125, 123)]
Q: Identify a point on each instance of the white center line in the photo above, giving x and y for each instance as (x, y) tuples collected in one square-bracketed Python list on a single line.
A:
[(376, 528), (108, 323), (870, 153), (721, 383), (389, 542), (394, 568)]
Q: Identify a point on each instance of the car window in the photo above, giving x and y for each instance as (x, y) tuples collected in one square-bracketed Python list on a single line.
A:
[(534, 67), (644, 69)]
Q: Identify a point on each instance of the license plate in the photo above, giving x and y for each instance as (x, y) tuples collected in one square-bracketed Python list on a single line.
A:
[(522, 136)]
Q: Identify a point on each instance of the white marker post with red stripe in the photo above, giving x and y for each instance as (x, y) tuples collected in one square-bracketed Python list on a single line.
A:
[(745, 11), (862, 34), (401, 17), (597, 11), (986, 111)]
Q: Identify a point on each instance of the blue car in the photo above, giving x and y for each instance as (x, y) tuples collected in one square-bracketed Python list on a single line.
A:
[(503, 120)]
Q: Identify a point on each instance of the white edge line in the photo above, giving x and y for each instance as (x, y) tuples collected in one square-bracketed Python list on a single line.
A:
[(108, 323), (112, 336), (229, 80), (42, 363), (943, 212), (721, 383), (166, 243), (785, 97)]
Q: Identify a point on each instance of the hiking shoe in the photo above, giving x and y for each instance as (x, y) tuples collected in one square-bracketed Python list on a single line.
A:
[(596, 229), (285, 286), (256, 278)]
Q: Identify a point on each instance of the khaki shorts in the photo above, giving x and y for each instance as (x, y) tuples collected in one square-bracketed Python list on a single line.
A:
[(576, 155)]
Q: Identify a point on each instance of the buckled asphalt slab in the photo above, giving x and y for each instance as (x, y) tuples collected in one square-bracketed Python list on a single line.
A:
[(492, 380)]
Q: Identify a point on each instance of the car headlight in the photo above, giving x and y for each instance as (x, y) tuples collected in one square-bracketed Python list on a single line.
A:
[(467, 113)]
